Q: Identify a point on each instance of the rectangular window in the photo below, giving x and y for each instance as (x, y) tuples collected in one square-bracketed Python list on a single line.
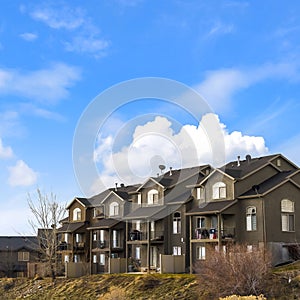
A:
[(94, 236), (200, 193), (66, 237), (138, 252), (115, 239), (139, 199), (66, 259), (201, 252), (102, 235), (94, 258), (23, 256), (76, 258), (138, 225), (287, 222), (102, 259), (200, 222), (78, 237), (176, 250)]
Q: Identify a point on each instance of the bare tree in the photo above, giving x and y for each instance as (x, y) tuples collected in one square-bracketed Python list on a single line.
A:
[(47, 213), (236, 271)]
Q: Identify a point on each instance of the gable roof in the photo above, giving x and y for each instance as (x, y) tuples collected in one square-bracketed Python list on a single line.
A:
[(270, 184), (15, 243), (104, 223), (83, 201), (71, 227), (247, 167)]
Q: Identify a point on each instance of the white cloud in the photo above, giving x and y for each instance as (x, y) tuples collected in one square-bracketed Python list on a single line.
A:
[(21, 175), (59, 18), (220, 28), (46, 85), (156, 143), (219, 86), (29, 37), (5, 152)]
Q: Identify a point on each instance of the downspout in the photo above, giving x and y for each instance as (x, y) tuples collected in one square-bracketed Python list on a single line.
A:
[(148, 247), (191, 248), (126, 245)]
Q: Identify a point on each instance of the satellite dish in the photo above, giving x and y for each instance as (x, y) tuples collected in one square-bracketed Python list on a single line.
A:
[(162, 167)]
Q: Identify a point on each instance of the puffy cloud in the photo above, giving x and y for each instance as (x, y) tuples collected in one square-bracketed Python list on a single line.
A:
[(157, 143), (5, 152), (21, 175), (45, 85)]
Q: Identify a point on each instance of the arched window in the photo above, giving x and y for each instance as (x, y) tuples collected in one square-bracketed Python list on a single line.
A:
[(177, 222), (77, 214), (114, 209), (287, 215), (219, 190), (251, 218), (152, 197)]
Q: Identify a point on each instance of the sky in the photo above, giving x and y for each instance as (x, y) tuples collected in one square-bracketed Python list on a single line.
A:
[(57, 57)]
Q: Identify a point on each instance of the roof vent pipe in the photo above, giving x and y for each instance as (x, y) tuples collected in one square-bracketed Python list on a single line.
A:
[(116, 188), (248, 158), (238, 161), (170, 171)]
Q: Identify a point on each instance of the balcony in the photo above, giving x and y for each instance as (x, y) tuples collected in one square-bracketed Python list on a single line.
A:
[(99, 244), (155, 236), (210, 235), (63, 246), (79, 246)]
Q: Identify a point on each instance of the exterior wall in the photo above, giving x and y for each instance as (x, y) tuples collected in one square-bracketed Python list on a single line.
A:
[(282, 164), (296, 178), (273, 214)]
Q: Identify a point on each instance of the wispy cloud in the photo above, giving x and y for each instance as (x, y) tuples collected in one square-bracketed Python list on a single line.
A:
[(5, 151), (21, 175), (47, 86), (85, 36), (28, 36), (219, 86), (59, 18), (220, 28)]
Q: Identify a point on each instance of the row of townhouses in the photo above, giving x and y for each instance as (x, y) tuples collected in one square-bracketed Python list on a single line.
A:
[(251, 201)]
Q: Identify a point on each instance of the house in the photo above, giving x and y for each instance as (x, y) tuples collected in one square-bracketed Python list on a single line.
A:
[(15, 253), (251, 201)]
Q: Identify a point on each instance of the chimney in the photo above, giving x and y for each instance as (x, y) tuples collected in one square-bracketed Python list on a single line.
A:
[(170, 171), (238, 161)]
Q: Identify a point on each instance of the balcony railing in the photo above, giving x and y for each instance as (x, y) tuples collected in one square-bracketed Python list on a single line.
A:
[(79, 246), (99, 244), (212, 233), (142, 236), (63, 246)]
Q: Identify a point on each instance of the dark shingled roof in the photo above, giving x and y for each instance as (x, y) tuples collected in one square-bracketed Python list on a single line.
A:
[(181, 175), (245, 167), (71, 227), (211, 207), (15, 243), (144, 212), (268, 184), (104, 223)]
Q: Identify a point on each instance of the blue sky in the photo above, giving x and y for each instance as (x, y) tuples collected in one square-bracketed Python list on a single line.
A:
[(57, 56)]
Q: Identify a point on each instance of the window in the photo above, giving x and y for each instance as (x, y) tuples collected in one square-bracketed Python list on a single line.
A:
[(23, 256), (77, 214), (139, 199), (115, 239), (94, 258), (66, 259), (102, 236), (200, 193), (102, 259), (200, 222), (66, 237), (138, 225), (138, 252), (114, 209), (176, 250), (219, 190), (95, 236), (152, 197), (98, 211), (76, 258), (177, 223), (251, 218), (287, 215), (78, 238), (200, 252)]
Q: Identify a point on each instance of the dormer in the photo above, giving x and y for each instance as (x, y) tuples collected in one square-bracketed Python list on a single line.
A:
[(113, 205), (77, 210)]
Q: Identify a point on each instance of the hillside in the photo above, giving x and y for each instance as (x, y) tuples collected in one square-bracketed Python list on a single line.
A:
[(285, 285)]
